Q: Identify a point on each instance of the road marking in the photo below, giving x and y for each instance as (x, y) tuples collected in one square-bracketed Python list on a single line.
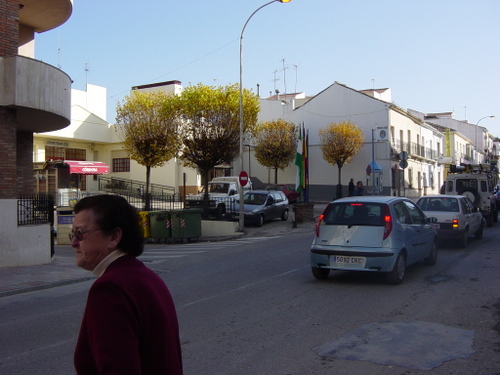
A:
[(240, 288)]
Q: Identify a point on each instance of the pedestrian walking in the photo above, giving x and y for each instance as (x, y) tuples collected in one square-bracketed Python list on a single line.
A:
[(351, 187), (359, 189), (130, 323)]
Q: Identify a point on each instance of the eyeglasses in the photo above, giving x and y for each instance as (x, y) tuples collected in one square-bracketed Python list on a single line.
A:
[(78, 234)]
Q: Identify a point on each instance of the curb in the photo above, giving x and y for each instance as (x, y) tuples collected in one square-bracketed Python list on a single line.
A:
[(48, 285)]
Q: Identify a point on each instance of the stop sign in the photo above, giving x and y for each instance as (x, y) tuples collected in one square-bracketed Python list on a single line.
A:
[(243, 178)]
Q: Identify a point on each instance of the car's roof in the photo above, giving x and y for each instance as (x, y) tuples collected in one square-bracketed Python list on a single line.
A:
[(370, 198), (444, 196), (260, 191)]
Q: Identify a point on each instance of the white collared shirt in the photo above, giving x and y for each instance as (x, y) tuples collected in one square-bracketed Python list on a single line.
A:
[(103, 264)]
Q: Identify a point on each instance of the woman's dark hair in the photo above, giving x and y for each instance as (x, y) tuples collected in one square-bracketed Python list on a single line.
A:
[(113, 211)]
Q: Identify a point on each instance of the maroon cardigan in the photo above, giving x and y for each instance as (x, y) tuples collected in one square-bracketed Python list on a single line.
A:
[(129, 325)]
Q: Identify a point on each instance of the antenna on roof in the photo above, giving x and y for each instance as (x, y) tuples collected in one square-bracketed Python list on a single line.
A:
[(86, 73), (284, 74), (275, 79), (59, 51), (296, 67)]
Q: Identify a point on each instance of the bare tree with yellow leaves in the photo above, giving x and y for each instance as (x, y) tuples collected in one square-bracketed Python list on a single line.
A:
[(150, 127), (340, 142), (275, 144)]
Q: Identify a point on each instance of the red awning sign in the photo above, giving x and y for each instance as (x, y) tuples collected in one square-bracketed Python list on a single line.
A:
[(87, 167)]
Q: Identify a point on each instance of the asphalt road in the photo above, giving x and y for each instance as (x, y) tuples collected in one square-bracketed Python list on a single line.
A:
[(251, 306)]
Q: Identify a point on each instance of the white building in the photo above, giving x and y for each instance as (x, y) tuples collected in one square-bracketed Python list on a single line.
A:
[(90, 137), (388, 130)]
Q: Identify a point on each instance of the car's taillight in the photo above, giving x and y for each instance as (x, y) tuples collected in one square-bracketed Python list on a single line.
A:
[(387, 222), (318, 223), (454, 223)]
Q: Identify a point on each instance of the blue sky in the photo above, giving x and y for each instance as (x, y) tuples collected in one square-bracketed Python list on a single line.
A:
[(435, 55)]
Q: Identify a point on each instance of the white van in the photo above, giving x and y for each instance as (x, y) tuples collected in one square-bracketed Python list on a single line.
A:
[(223, 193)]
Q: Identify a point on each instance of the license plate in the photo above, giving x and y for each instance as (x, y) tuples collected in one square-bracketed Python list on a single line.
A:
[(436, 226), (342, 261)]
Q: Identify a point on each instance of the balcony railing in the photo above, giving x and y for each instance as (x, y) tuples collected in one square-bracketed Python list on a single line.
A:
[(414, 150)]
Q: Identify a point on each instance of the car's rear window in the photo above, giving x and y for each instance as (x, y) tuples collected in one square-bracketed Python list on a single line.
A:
[(349, 213), (439, 204), (254, 198)]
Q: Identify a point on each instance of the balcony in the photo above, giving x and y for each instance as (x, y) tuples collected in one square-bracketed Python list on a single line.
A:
[(39, 92), (43, 15)]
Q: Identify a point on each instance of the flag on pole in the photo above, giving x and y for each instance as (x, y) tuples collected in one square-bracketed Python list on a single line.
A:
[(306, 163), (299, 162)]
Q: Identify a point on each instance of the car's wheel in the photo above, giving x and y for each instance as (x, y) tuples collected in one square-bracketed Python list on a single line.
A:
[(284, 215), (433, 254), (398, 272), (465, 239), (260, 220), (320, 273), (489, 220), (479, 233)]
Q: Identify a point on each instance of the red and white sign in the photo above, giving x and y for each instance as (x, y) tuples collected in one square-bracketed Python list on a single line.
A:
[(243, 178), (86, 167)]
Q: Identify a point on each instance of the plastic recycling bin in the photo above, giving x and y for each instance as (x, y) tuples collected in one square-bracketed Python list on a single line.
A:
[(160, 226), (64, 222), (144, 221), (186, 225)]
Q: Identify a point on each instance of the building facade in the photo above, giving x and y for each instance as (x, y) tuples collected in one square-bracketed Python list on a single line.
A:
[(34, 97), (404, 146)]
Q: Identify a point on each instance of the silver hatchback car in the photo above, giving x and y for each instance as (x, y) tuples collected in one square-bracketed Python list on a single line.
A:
[(374, 234)]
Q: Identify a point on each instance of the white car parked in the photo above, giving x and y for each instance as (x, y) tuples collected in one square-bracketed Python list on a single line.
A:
[(457, 217)]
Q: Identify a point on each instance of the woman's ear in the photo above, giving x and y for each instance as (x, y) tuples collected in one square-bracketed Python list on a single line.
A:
[(116, 237)]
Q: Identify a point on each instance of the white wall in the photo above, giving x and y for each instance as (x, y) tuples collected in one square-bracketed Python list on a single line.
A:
[(22, 245)]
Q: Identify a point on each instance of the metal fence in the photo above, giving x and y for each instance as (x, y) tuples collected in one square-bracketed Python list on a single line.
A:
[(39, 208), (35, 209), (157, 202), (222, 208), (128, 187)]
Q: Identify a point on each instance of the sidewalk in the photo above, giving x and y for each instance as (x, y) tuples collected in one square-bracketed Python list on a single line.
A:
[(63, 270)]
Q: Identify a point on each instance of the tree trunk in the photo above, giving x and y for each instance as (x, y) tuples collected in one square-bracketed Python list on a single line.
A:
[(147, 202), (275, 175), (339, 185), (206, 198)]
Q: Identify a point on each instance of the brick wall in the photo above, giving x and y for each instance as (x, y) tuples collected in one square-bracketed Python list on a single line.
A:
[(25, 183), (8, 154), (9, 27)]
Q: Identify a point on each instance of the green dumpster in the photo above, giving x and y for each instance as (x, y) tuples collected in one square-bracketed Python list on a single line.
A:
[(186, 225), (160, 226)]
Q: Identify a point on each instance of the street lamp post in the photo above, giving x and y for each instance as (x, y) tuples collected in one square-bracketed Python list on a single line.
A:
[(241, 218), (477, 127)]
